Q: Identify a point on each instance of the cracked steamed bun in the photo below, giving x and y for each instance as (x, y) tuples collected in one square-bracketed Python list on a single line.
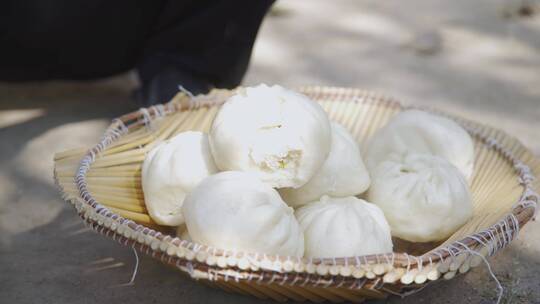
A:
[(281, 136), (342, 174), (343, 227), (171, 170), (236, 211), (424, 197), (421, 132)]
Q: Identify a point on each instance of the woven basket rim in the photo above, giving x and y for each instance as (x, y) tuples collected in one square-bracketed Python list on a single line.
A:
[(204, 257)]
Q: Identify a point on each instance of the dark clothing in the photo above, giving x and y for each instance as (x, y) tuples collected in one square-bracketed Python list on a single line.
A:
[(198, 44)]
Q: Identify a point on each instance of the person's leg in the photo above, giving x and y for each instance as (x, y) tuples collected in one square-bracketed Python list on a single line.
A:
[(209, 47), (198, 44), (63, 39)]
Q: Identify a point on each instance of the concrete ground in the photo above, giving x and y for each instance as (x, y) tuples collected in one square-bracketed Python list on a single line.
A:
[(479, 59)]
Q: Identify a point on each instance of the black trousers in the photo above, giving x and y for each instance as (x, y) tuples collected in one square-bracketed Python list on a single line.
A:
[(198, 44)]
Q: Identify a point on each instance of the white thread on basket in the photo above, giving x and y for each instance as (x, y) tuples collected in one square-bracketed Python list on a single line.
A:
[(378, 284), (408, 262), (341, 282), (146, 118), (516, 228), (327, 283), (185, 91), (360, 283), (406, 293), (507, 230), (484, 241), (491, 273), (136, 268), (491, 241), (191, 270), (365, 260), (272, 278), (419, 263), (306, 280), (353, 284), (387, 259), (501, 239), (121, 126), (226, 278)]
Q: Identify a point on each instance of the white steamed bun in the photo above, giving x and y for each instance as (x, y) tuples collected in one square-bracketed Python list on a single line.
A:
[(342, 174), (421, 132), (183, 233), (424, 197), (235, 210), (171, 170), (343, 227), (281, 136)]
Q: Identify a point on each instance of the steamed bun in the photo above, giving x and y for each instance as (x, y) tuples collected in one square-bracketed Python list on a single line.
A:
[(281, 136), (342, 174), (183, 233), (235, 210), (343, 227), (170, 171), (421, 132), (424, 197)]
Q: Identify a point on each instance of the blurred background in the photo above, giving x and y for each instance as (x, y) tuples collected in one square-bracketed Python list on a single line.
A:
[(477, 59)]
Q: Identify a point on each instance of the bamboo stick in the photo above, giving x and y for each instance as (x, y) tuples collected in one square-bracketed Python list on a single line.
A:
[(121, 206), (347, 295), (136, 131), (208, 119), (289, 294), (305, 293), (183, 123), (120, 156), (325, 294), (130, 137), (107, 181), (114, 202), (137, 155), (243, 288), (234, 289), (72, 169), (144, 138), (268, 292), (368, 292), (68, 161), (190, 123), (109, 190), (101, 173), (134, 159), (70, 153), (140, 218), (121, 200)]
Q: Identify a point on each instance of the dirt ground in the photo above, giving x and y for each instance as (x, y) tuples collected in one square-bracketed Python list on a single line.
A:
[(479, 59)]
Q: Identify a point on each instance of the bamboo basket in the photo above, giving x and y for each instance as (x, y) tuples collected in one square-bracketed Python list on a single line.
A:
[(104, 185)]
